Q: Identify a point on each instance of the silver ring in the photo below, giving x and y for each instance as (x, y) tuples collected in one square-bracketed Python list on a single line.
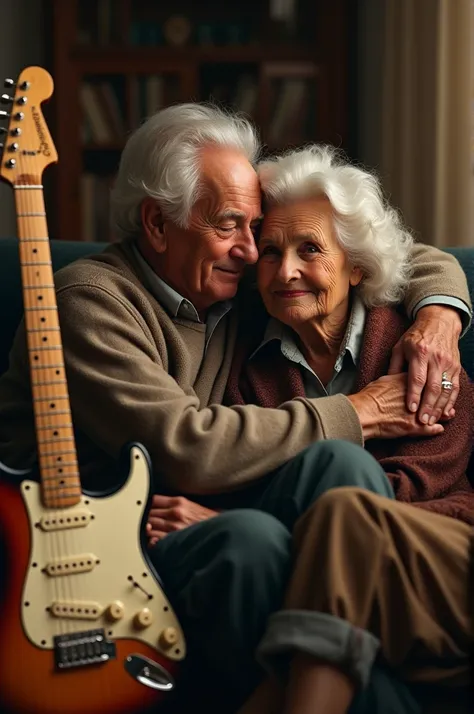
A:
[(446, 383)]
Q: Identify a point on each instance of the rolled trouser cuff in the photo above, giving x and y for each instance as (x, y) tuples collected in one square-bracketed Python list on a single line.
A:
[(326, 637)]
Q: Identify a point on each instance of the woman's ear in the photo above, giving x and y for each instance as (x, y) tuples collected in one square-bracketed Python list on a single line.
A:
[(355, 277), (153, 224)]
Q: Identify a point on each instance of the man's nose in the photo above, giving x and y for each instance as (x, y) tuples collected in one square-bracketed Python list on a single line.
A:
[(245, 248)]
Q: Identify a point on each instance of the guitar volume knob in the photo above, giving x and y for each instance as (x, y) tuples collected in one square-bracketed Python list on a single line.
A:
[(168, 637), (115, 611), (143, 618)]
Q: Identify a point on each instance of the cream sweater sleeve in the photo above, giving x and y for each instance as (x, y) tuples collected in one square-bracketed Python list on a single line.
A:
[(120, 392), (435, 273)]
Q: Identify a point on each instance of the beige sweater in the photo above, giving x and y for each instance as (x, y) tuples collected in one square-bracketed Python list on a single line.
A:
[(136, 374)]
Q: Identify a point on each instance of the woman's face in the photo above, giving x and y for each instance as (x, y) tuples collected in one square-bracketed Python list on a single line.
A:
[(303, 274)]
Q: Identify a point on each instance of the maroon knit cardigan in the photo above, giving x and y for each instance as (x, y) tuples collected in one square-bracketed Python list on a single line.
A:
[(429, 472)]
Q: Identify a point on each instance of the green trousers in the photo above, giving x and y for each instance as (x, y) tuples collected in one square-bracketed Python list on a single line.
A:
[(227, 575)]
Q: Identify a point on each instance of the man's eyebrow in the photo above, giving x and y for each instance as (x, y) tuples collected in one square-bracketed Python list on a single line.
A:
[(234, 213), (231, 213)]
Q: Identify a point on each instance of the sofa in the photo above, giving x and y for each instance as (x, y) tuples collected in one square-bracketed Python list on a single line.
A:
[(64, 252)]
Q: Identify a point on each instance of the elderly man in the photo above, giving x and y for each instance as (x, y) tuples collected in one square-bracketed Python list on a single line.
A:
[(149, 330)]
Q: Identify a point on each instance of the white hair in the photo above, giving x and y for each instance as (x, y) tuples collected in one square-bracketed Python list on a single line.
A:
[(367, 228), (161, 160)]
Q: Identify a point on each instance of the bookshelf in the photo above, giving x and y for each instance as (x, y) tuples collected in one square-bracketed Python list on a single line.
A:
[(115, 62)]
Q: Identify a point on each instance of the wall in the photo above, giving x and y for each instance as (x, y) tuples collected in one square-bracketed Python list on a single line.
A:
[(21, 45)]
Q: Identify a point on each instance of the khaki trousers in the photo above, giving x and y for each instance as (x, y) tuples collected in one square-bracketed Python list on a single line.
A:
[(373, 576)]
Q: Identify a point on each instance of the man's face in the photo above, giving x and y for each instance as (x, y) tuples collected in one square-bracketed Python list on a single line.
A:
[(205, 261)]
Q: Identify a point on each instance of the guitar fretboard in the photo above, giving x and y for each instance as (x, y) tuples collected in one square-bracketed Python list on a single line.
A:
[(57, 456)]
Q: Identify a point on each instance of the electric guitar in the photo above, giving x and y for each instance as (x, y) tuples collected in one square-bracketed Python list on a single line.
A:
[(85, 627)]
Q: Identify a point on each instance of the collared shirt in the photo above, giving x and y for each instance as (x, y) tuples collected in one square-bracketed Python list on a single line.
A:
[(176, 304), (344, 376)]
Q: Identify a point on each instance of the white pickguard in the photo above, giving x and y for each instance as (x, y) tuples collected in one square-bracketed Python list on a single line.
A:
[(111, 540)]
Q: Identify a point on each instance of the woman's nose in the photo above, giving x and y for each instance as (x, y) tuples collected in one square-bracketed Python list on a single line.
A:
[(288, 269)]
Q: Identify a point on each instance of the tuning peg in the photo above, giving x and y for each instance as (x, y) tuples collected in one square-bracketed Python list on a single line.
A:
[(6, 99), (4, 115), (8, 83), (3, 130)]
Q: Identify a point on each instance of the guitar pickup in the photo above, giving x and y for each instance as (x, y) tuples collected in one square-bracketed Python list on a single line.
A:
[(84, 563), (76, 610), (77, 518)]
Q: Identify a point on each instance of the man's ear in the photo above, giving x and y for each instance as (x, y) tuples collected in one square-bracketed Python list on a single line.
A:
[(153, 224), (356, 276)]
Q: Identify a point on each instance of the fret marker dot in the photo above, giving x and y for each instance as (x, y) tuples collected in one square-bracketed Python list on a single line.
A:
[(36, 357), (35, 250), (45, 339), (43, 319), (52, 405), (57, 371), (40, 297), (55, 433)]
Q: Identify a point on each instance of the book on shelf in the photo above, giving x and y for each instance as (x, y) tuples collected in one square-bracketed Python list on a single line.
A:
[(287, 124), (103, 116), (94, 116), (95, 206)]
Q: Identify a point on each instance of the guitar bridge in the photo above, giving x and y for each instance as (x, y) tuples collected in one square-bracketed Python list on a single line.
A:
[(82, 649)]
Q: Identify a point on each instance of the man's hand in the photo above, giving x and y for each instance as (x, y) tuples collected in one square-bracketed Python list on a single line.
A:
[(430, 346), (172, 513)]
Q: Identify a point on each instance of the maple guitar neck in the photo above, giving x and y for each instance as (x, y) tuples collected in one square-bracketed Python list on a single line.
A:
[(59, 472)]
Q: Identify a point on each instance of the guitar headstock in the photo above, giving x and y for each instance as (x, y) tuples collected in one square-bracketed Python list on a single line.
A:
[(26, 147)]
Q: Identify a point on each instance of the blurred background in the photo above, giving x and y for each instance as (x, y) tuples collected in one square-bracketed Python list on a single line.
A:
[(391, 82)]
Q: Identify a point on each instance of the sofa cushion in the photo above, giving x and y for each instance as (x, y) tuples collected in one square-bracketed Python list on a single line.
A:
[(64, 252)]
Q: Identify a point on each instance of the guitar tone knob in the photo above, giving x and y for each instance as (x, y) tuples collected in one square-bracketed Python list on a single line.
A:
[(168, 637), (143, 618), (115, 611)]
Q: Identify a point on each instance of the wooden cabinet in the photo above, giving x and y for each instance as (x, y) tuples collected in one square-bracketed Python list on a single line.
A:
[(117, 61)]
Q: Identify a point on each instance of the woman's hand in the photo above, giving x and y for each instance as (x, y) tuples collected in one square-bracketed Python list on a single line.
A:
[(172, 513), (383, 413)]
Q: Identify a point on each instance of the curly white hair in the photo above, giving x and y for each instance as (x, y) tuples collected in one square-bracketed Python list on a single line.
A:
[(368, 229)]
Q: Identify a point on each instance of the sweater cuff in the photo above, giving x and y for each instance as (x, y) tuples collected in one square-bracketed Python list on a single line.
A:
[(326, 637), (338, 418)]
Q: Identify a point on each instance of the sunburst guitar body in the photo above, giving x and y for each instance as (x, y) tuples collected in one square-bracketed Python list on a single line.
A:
[(85, 626)]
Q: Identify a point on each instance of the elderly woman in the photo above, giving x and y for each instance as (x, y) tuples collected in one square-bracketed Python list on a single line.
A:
[(333, 267), (334, 262)]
